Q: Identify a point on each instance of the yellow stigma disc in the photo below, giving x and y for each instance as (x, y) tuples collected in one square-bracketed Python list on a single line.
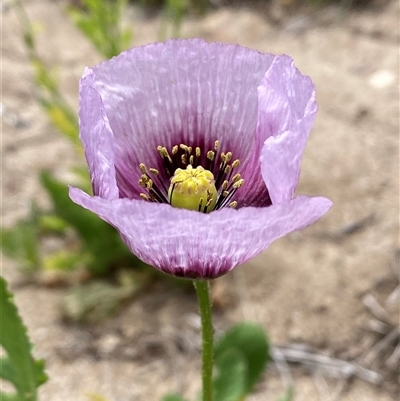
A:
[(193, 189)]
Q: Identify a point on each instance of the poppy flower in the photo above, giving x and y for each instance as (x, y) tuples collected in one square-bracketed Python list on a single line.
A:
[(194, 152)]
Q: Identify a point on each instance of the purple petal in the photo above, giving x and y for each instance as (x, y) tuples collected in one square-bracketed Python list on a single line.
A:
[(281, 159), (196, 245), (287, 110), (180, 91), (98, 142)]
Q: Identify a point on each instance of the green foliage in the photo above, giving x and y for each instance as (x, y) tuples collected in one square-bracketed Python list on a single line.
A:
[(59, 112), (230, 383), (18, 366), (22, 241), (100, 22), (97, 246), (173, 13), (242, 353), (97, 300), (101, 245), (240, 358)]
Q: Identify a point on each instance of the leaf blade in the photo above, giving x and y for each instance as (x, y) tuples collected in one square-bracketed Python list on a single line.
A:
[(251, 340), (23, 371)]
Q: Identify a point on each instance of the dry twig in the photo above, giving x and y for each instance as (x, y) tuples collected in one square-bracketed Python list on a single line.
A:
[(332, 367)]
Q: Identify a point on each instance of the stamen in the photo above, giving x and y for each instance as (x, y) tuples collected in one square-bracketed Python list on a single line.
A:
[(142, 168), (184, 160), (236, 177), (156, 196), (224, 201), (236, 163), (210, 155), (238, 183), (162, 150), (168, 162), (221, 171), (143, 180)]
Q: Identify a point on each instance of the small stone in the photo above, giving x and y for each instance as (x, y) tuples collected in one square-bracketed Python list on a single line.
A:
[(382, 79)]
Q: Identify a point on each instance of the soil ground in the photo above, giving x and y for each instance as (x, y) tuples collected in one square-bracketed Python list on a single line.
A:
[(307, 287)]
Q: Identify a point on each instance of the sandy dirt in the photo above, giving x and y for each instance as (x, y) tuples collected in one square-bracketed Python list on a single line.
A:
[(306, 288)]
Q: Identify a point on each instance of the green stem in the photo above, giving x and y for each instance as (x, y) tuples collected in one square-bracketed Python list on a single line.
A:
[(207, 334)]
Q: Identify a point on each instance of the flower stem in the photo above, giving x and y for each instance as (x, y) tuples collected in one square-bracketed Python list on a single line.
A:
[(207, 334)]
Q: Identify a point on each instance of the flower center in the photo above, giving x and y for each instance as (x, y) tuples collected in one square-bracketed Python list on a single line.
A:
[(196, 180), (193, 189)]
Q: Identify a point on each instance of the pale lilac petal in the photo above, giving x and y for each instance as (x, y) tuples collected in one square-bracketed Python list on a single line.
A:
[(286, 109), (281, 159), (98, 142), (197, 245), (258, 106), (180, 91)]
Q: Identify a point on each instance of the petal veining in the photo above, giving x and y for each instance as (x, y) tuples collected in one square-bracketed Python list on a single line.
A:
[(98, 142), (287, 110), (189, 106), (285, 97), (180, 91), (191, 244)]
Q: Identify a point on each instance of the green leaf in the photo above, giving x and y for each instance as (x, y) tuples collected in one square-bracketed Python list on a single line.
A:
[(126, 38), (100, 22), (230, 382), (49, 96), (100, 240), (251, 341), (95, 301), (64, 260), (8, 397), (53, 224), (19, 367), (173, 397), (62, 118), (21, 242), (7, 371)]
